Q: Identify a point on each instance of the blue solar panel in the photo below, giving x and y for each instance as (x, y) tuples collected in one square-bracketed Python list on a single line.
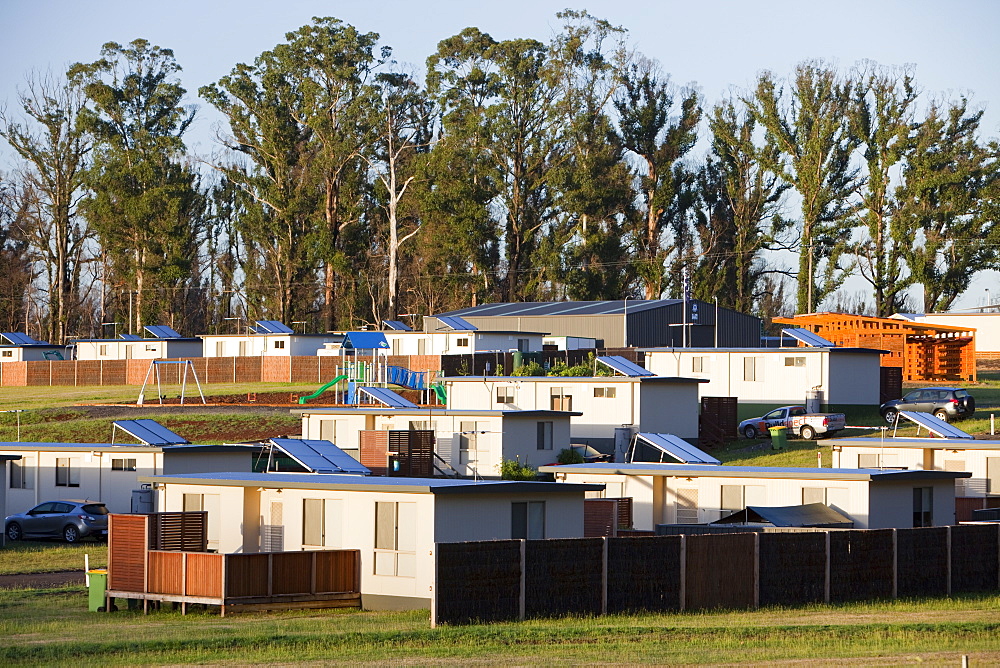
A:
[(319, 456), (397, 325), (273, 327), (162, 332), (149, 432), (365, 340), (623, 366), (130, 337), (808, 338), (387, 397), (456, 323), (935, 426), (677, 448)]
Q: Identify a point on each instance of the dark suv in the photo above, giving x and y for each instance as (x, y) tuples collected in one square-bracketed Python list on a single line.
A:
[(946, 403)]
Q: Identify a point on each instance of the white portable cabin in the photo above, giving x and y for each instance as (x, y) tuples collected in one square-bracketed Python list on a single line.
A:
[(608, 405), (393, 522), (472, 442), (834, 376), (699, 494), (18, 347), (268, 338), (163, 343)]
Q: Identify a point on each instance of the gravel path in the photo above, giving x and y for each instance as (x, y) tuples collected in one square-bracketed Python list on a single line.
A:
[(41, 580)]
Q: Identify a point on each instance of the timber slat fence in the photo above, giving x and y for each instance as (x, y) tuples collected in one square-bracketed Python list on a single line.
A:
[(516, 579)]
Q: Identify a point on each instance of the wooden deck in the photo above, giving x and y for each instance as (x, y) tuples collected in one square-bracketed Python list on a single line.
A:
[(258, 581)]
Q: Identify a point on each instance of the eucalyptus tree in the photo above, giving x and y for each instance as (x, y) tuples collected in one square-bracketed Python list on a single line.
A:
[(593, 184), (660, 142), (53, 147), (948, 203), (143, 200), (741, 217), (500, 96), (881, 116), (16, 202), (810, 125)]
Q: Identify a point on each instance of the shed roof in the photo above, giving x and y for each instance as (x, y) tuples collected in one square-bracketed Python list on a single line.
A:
[(346, 482), (816, 515), (917, 442), (760, 472)]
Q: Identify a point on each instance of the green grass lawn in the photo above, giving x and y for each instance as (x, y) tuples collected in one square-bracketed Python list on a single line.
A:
[(31, 556), (53, 626)]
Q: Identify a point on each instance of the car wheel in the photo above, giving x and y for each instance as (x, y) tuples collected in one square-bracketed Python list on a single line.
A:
[(941, 414), (890, 415), (808, 433), (71, 534), (750, 432), (14, 531)]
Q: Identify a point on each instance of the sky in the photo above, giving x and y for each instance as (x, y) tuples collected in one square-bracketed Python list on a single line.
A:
[(718, 45)]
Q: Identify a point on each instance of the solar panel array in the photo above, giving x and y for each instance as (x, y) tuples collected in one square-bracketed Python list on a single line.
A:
[(149, 432), (271, 327), (319, 456), (397, 325), (456, 323), (387, 397), (162, 332), (808, 338), (613, 307), (623, 366), (677, 448), (129, 337), (934, 425), (19, 339)]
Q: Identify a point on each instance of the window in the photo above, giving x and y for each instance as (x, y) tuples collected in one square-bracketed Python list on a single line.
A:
[(523, 345), (462, 343), (151, 347), (923, 506), (321, 522), (467, 437), (220, 348), (505, 395), (795, 361), (750, 369), (395, 539), (737, 497), (544, 436), (813, 495), (279, 345), (8, 353), (67, 472), (605, 392), (21, 473), (102, 350), (210, 504), (328, 430), (686, 506), (559, 400), (868, 461), (122, 464), (243, 349), (699, 364), (993, 475), (527, 520)]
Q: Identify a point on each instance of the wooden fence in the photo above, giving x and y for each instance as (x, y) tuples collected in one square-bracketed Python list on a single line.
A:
[(509, 580), (261, 581)]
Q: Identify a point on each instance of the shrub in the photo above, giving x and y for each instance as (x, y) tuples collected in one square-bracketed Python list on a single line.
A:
[(569, 456), (511, 469), (532, 368)]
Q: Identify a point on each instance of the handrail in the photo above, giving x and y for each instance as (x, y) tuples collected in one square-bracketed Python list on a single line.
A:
[(440, 459)]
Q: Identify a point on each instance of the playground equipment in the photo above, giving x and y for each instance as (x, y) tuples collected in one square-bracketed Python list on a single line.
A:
[(376, 374), (155, 364)]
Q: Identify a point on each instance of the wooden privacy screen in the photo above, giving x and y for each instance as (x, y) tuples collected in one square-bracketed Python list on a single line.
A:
[(412, 450), (717, 421), (924, 352), (511, 579)]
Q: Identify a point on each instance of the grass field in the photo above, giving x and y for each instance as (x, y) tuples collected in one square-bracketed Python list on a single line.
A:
[(49, 556)]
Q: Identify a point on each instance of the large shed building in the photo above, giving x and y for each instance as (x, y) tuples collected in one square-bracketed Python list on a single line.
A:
[(619, 323)]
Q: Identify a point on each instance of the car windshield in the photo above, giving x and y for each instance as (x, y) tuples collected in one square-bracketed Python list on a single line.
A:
[(95, 509)]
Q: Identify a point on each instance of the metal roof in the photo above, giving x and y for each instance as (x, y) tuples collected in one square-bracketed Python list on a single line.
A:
[(21, 339), (456, 323), (319, 456), (162, 332), (935, 426), (623, 366), (397, 325), (572, 379), (916, 442), (340, 481), (149, 432), (129, 337), (817, 515), (762, 472), (271, 327), (31, 446), (434, 412), (612, 307), (807, 337), (365, 340), (387, 397), (678, 448)]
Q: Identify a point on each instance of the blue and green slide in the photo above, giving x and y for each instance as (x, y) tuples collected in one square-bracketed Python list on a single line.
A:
[(323, 389)]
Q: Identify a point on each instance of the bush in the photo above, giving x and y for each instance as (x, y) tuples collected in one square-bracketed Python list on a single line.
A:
[(569, 456), (530, 369), (511, 469)]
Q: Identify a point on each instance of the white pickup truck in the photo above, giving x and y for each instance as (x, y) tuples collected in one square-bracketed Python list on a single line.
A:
[(798, 422)]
